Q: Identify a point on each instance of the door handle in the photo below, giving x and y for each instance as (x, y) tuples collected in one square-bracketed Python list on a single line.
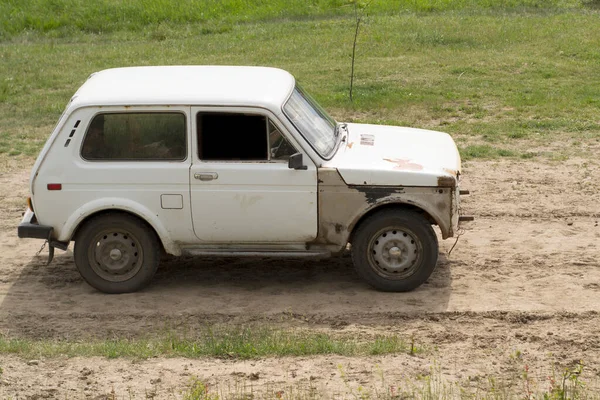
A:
[(206, 176)]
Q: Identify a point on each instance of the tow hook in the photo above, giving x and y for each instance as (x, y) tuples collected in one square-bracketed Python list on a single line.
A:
[(465, 218), (50, 254), (51, 245)]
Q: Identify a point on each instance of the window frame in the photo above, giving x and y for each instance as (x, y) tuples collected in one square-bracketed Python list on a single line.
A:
[(319, 109), (143, 160), (243, 111)]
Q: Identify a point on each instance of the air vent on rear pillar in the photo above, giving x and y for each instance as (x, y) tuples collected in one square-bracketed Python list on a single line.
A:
[(72, 133)]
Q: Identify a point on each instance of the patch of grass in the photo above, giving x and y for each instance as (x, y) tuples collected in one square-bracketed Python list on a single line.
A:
[(484, 151), (198, 390), (592, 4), (229, 342), (528, 155), (519, 134)]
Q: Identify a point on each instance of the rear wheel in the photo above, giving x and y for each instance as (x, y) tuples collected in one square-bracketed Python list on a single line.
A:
[(116, 253), (395, 250)]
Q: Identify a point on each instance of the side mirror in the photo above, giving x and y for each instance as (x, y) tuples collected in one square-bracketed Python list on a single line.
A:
[(295, 162)]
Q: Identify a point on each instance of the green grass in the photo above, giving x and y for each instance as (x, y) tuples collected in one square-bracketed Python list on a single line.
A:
[(64, 17), (229, 342), (486, 151), (501, 76)]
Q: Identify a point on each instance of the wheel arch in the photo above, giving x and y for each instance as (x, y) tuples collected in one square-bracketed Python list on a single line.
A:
[(99, 208), (391, 206)]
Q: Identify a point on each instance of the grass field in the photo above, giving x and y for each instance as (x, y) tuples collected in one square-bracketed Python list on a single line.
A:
[(63, 17), (506, 78)]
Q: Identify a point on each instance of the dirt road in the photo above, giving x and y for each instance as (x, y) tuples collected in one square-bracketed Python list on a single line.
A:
[(521, 287)]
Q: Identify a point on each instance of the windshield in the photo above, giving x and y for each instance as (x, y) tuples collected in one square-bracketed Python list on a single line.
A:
[(318, 128)]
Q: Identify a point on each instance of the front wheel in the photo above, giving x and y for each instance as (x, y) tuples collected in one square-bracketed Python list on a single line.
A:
[(116, 253), (395, 250)]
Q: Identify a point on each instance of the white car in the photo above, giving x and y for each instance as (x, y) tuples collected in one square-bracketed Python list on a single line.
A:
[(235, 161)]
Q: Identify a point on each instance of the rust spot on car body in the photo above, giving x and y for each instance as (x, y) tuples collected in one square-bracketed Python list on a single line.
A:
[(374, 193), (451, 171), (404, 165), (446, 181)]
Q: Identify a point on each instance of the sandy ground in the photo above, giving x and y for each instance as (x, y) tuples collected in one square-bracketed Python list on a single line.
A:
[(520, 290)]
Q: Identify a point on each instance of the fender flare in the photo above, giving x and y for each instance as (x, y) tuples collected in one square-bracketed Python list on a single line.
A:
[(119, 204), (401, 201)]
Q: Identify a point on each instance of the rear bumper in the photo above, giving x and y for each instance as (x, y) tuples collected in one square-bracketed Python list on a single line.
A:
[(29, 227)]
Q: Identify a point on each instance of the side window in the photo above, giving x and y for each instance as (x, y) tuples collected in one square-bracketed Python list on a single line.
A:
[(226, 136), (136, 137), (231, 136)]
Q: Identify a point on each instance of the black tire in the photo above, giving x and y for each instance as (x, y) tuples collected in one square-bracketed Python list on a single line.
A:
[(116, 253), (395, 250)]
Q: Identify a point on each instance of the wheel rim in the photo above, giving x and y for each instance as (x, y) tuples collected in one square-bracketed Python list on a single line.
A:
[(115, 255), (395, 253)]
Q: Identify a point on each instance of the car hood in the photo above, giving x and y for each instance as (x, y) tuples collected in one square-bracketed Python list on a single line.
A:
[(395, 156)]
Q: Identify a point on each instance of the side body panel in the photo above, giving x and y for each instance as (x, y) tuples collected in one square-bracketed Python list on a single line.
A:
[(92, 186)]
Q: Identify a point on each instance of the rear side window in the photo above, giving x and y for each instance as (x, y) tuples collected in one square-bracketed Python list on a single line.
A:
[(136, 137)]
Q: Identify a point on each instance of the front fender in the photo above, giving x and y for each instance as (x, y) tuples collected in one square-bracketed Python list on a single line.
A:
[(120, 204), (435, 204), (342, 207)]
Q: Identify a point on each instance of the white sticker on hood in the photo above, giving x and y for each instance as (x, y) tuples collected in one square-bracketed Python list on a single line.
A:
[(367, 140)]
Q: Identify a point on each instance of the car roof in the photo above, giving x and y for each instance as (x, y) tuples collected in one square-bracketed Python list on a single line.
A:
[(186, 85)]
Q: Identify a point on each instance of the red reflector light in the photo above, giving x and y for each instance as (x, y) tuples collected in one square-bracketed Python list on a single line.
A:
[(54, 186)]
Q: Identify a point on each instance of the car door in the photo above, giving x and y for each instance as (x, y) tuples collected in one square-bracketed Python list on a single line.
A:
[(242, 190)]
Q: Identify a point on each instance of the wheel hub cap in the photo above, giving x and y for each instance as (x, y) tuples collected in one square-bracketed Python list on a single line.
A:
[(395, 253), (115, 254)]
